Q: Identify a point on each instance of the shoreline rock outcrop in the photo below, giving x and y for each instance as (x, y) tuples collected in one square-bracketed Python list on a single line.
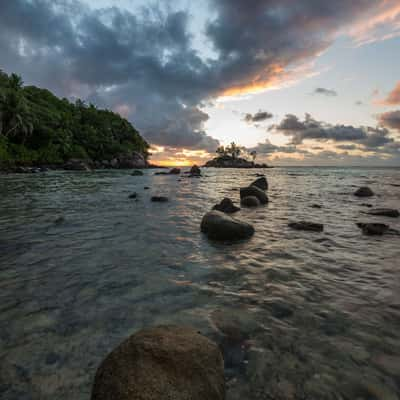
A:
[(165, 362)]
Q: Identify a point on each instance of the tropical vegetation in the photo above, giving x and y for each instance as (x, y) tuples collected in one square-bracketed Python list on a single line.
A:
[(36, 127)]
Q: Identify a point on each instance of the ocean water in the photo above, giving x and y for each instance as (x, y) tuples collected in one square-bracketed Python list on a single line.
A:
[(298, 315)]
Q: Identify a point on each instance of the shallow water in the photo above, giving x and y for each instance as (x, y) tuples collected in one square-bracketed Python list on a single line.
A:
[(298, 315)]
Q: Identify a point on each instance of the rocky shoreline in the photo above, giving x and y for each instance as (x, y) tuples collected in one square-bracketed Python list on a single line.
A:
[(134, 160)]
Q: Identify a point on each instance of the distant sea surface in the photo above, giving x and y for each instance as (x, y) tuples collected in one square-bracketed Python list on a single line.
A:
[(298, 315)]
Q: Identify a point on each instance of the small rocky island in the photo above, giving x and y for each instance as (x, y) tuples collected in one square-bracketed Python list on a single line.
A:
[(228, 157)]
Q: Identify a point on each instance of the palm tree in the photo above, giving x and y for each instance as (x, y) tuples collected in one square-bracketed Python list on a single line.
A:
[(15, 82)]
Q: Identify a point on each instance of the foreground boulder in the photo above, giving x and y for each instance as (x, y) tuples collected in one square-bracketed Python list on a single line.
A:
[(384, 212), (261, 183), (76, 165), (219, 226), (226, 206), (166, 362), (254, 191), (159, 199), (250, 201), (306, 226), (195, 171), (371, 228), (363, 192)]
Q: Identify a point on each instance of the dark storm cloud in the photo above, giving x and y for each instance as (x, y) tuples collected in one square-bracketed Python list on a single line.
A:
[(257, 117), (369, 138), (310, 128), (325, 92), (390, 119), (145, 65)]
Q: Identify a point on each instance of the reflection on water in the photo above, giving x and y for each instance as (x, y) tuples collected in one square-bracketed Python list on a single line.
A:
[(298, 315)]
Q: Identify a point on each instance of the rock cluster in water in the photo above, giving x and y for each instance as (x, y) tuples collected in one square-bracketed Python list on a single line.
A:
[(165, 362), (219, 226)]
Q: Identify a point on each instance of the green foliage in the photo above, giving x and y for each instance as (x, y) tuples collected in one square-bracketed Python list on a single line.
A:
[(38, 127), (233, 150)]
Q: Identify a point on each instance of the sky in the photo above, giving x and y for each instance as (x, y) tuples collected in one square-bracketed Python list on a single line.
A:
[(301, 82)]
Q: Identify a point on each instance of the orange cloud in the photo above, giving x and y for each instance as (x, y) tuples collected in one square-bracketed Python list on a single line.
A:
[(393, 98), (380, 23), (272, 78)]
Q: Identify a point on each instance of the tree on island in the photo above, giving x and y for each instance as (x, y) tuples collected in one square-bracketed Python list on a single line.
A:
[(233, 150)]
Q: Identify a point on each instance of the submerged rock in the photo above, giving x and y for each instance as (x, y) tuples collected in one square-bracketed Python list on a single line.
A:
[(364, 191), (372, 228), (261, 183), (306, 226), (250, 201), (254, 191), (226, 206), (137, 173), (166, 362), (219, 226), (159, 199), (384, 212), (316, 206), (133, 196)]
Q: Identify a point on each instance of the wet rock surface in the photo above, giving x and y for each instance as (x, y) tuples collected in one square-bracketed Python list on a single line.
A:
[(250, 201), (226, 205), (254, 191), (159, 199), (166, 362), (384, 212), (373, 228), (219, 226), (261, 183), (364, 191)]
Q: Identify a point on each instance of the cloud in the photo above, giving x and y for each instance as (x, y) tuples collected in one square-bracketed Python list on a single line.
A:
[(146, 65), (393, 97), (258, 116), (367, 138), (390, 119), (310, 128), (325, 92)]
